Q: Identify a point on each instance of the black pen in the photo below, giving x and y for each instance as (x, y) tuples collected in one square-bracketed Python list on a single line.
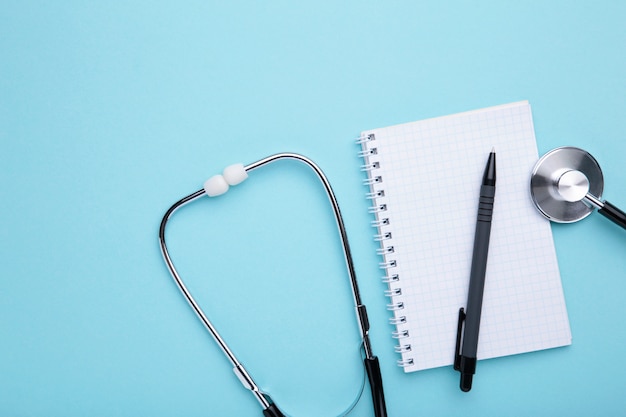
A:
[(465, 356)]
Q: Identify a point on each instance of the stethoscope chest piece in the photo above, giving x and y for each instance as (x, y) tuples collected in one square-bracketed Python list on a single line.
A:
[(562, 181)]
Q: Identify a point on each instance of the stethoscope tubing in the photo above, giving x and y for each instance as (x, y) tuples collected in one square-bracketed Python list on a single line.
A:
[(266, 402), (608, 210)]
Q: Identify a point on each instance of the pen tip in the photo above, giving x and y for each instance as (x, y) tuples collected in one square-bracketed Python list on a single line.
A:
[(493, 149)]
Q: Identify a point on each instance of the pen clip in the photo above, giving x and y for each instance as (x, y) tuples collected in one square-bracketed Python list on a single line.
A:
[(459, 335)]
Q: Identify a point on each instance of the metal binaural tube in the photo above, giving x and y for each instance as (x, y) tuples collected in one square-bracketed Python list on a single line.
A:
[(238, 368)]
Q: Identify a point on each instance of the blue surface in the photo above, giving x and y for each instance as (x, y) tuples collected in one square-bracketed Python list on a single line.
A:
[(110, 112)]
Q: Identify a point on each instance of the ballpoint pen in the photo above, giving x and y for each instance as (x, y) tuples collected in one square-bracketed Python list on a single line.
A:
[(469, 321)]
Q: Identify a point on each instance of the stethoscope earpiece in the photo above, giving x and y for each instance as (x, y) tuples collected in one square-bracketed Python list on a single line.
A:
[(566, 185)]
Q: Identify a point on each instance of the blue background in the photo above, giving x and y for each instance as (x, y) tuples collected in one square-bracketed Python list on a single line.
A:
[(112, 111)]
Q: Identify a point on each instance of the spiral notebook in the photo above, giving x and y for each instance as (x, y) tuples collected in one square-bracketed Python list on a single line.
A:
[(424, 179)]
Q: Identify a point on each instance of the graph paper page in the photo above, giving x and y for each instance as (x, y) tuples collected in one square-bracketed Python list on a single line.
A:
[(430, 172)]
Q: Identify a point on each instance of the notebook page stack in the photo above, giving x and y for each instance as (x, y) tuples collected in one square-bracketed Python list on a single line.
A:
[(424, 180)]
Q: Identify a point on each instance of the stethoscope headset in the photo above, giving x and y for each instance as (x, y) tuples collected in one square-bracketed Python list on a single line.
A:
[(218, 185), (566, 186)]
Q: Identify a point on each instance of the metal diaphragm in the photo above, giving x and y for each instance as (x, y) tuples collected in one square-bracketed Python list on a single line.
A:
[(555, 166)]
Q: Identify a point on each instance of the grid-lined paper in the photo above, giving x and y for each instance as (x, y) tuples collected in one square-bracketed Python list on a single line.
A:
[(431, 172)]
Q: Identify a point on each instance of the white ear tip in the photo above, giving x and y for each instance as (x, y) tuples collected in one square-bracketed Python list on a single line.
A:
[(235, 174), (216, 185)]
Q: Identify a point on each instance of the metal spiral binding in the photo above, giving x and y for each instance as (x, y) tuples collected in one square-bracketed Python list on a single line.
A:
[(404, 362), (388, 264), (390, 278), (382, 236), (397, 320), (385, 251), (365, 138), (368, 152), (381, 222), (376, 209), (394, 292), (395, 306), (402, 348), (374, 181), (370, 167), (375, 195), (400, 334)]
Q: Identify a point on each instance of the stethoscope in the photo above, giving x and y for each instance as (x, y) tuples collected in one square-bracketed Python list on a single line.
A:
[(218, 185), (566, 186)]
